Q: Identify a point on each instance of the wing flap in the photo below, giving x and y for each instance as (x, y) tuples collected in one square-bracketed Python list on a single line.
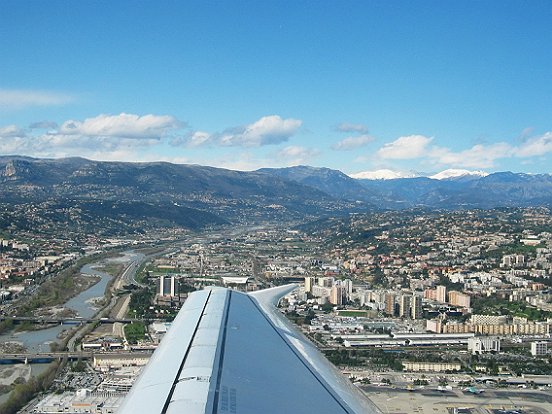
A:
[(229, 352)]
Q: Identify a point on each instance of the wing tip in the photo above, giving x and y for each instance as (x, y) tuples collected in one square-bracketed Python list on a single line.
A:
[(272, 296)]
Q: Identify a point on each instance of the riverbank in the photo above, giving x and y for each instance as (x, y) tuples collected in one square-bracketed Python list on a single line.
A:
[(93, 291), (10, 376), (11, 347), (82, 283), (115, 305), (25, 392), (56, 336), (57, 290)]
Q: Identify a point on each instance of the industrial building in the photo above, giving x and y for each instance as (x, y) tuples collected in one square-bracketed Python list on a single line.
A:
[(82, 401), (539, 348), (483, 344), (406, 339)]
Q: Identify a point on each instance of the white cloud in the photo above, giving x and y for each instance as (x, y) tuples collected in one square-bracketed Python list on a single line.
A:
[(199, 138), (13, 140), (13, 146), (18, 99), (403, 148), (124, 154), (11, 131), (294, 155), (242, 161), (114, 136), (97, 148), (85, 142), (478, 156), (102, 137), (268, 130), (348, 127), (122, 125), (351, 143), (535, 146)]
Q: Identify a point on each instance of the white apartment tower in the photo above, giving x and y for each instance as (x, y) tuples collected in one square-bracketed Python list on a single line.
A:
[(482, 344), (441, 294), (539, 348), (336, 295), (309, 283), (168, 286), (416, 307), (348, 285), (405, 306)]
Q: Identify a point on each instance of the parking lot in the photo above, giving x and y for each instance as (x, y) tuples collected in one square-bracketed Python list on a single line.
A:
[(392, 399)]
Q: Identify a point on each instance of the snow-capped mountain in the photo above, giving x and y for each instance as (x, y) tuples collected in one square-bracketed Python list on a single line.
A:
[(453, 173), (383, 174)]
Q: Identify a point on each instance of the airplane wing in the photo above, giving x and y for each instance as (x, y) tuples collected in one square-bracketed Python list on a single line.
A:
[(230, 352)]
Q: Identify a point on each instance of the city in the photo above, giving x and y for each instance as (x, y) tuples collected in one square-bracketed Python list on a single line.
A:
[(441, 305), (289, 206)]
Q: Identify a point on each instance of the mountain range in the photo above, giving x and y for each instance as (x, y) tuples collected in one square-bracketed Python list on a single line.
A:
[(194, 196), (386, 174), (450, 189), (204, 195)]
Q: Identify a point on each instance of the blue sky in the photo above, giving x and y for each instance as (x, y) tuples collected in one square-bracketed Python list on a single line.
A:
[(351, 85)]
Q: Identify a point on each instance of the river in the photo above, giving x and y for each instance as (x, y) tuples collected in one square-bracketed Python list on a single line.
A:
[(39, 341)]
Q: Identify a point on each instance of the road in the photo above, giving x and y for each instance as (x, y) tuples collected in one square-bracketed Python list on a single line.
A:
[(118, 326), (127, 277)]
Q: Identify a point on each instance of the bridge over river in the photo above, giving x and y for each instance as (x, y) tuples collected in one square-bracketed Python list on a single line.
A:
[(67, 321), (44, 357)]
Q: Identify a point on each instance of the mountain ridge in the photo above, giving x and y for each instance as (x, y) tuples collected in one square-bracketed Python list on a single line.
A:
[(214, 195), (452, 190), (218, 195)]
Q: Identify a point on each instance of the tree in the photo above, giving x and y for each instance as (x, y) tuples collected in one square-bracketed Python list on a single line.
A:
[(327, 307), (79, 366)]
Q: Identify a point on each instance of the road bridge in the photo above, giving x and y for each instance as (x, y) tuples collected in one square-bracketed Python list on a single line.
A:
[(44, 357), (68, 320)]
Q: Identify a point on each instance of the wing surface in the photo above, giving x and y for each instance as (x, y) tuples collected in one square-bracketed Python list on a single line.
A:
[(231, 352)]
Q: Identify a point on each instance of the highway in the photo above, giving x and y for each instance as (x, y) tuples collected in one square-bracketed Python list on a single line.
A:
[(127, 277)]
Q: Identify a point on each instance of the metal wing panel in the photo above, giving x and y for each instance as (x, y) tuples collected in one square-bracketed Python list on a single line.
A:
[(261, 373), (228, 352), (154, 386), (330, 375), (192, 392)]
